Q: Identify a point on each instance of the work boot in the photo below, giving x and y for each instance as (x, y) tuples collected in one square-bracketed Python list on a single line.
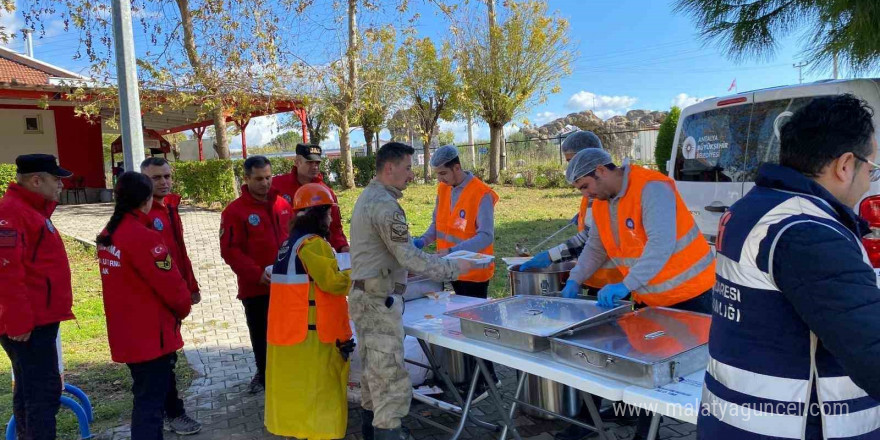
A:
[(182, 425), (620, 414), (256, 386), (367, 424), (574, 432), (392, 434)]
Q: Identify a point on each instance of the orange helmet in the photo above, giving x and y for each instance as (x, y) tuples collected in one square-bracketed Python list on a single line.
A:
[(310, 195)]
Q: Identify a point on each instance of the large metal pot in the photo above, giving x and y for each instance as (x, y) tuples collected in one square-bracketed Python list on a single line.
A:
[(539, 281), (455, 363), (549, 395)]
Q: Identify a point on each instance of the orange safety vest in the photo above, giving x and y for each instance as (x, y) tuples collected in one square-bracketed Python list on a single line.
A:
[(607, 273), (459, 223), (289, 304), (690, 269)]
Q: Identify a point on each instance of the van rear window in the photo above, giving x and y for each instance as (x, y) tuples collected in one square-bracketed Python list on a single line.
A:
[(767, 118), (712, 145)]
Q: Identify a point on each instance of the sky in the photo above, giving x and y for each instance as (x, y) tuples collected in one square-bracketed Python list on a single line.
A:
[(631, 54)]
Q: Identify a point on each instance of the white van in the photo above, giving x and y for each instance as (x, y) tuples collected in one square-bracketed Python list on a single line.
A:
[(720, 142)]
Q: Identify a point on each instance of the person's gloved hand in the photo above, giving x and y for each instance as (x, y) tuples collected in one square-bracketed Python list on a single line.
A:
[(539, 261), (345, 348), (611, 293), (571, 289), (419, 242)]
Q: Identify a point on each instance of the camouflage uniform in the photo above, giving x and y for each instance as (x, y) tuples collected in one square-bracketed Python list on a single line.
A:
[(381, 254)]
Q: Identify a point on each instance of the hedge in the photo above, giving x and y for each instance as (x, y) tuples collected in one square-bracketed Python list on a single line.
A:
[(7, 175), (211, 181), (280, 165), (364, 169), (540, 176)]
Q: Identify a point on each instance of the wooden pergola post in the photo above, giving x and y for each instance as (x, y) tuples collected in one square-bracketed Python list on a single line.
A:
[(301, 112), (199, 132), (242, 125)]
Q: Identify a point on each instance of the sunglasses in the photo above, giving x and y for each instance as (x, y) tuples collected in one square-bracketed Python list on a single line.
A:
[(875, 169)]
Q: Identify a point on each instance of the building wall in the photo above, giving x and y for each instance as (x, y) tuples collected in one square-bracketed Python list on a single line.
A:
[(13, 139), (80, 147), (74, 140), (189, 149)]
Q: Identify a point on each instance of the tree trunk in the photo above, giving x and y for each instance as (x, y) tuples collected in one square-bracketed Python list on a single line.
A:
[(221, 137), (496, 136), (368, 137), (426, 150), (470, 133), (347, 177)]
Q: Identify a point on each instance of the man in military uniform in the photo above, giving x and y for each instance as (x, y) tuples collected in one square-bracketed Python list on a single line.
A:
[(381, 254)]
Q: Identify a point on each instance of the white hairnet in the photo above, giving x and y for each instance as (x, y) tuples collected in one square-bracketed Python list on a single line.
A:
[(443, 155), (585, 162), (580, 140)]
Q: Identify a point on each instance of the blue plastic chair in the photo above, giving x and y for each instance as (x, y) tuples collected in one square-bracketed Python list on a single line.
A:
[(81, 407)]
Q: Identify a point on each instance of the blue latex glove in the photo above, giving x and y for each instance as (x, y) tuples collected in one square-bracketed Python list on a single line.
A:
[(571, 289), (419, 242), (539, 261), (611, 293)]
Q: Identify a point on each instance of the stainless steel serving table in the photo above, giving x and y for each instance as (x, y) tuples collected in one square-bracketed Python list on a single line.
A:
[(424, 319)]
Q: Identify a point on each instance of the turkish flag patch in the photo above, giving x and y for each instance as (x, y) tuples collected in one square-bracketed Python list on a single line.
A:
[(8, 238), (159, 251)]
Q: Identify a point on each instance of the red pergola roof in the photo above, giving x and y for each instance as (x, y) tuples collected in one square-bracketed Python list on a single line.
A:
[(16, 73)]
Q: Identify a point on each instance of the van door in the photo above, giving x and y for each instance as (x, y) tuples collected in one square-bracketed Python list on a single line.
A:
[(709, 167)]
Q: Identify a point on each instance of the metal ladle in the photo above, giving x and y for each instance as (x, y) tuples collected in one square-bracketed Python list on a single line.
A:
[(522, 251)]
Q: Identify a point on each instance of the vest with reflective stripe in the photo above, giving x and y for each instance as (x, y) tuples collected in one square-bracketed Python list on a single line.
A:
[(607, 273), (289, 304), (764, 361), (458, 223), (690, 269)]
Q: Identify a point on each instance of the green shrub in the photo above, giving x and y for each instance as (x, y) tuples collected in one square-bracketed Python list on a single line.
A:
[(211, 181), (7, 175), (665, 137), (280, 165), (364, 169)]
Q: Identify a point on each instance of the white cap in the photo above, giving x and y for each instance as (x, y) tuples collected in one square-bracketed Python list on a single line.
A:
[(585, 162)]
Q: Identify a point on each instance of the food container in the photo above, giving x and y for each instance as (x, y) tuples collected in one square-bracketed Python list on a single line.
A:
[(526, 322), (417, 286), (539, 281), (549, 396), (649, 347), (480, 260)]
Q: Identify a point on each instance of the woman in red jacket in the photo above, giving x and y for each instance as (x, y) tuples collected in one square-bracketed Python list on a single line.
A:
[(145, 298)]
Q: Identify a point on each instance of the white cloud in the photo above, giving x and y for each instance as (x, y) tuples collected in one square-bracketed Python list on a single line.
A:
[(258, 132), (11, 24), (584, 100), (683, 100), (544, 117), (607, 114)]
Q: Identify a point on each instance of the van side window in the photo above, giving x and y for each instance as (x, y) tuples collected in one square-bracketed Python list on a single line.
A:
[(767, 119), (712, 145)]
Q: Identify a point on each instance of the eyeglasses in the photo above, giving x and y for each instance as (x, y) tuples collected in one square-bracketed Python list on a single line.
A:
[(875, 169)]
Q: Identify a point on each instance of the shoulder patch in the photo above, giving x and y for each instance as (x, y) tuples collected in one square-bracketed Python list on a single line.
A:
[(157, 224), (8, 238), (159, 251), (165, 263)]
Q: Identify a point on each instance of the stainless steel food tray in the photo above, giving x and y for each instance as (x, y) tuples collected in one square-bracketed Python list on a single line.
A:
[(649, 347), (526, 322), (419, 285)]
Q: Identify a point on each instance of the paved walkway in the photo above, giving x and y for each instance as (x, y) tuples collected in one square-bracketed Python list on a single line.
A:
[(218, 348)]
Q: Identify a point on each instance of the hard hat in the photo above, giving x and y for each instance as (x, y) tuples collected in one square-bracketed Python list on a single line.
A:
[(311, 195)]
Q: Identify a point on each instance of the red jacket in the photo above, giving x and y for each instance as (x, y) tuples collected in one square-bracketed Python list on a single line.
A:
[(34, 271), (166, 220), (145, 298), (287, 184), (251, 232)]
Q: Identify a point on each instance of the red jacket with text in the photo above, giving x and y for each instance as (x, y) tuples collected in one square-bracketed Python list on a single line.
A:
[(251, 231), (166, 220), (287, 184), (34, 272), (145, 297)]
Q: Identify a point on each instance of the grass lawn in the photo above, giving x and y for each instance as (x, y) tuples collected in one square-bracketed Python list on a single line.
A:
[(87, 361), (522, 215)]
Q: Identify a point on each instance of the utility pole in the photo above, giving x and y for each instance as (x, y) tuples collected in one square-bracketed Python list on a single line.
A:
[(834, 75), (800, 67), (129, 100)]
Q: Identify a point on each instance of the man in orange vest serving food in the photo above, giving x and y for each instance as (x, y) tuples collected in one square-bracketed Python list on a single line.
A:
[(464, 219)]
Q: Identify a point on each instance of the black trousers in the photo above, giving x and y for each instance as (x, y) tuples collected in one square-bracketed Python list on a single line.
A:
[(150, 383), (475, 290), (173, 403), (256, 311), (37, 393)]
